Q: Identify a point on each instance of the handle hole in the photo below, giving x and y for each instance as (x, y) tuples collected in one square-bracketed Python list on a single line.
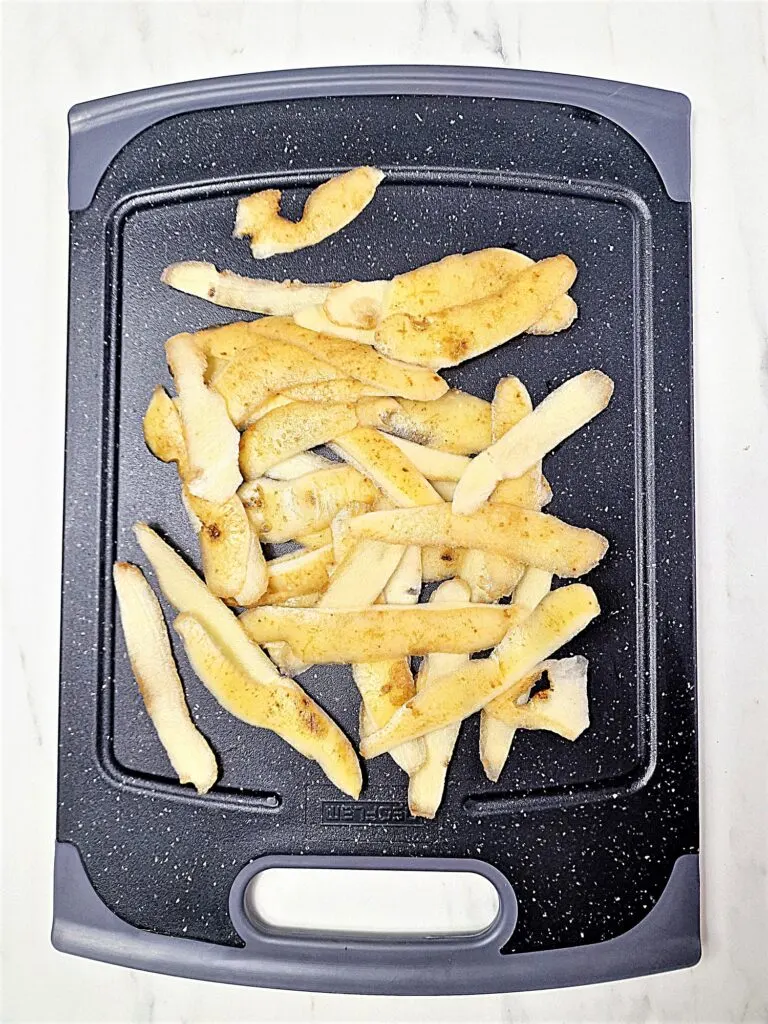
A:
[(371, 902)]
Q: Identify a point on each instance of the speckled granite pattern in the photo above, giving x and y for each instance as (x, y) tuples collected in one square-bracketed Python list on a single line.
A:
[(586, 832)]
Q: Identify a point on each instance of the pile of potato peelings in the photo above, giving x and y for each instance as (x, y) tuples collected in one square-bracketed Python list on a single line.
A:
[(432, 485)]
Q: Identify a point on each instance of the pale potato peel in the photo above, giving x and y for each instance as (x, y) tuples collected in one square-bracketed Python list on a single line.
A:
[(562, 708), (149, 651), (382, 632), (451, 336), (254, 375), (163, 432), (557, 619), (532, 538), (298, 465), (457, 422), (282, 707), (496, 736), (384, 686), (491, 576), (376, 456), (426, 786), (463, 278), (210, 438), (316, 539), (356, 303), (225, 541), (431, 462), (362, 575), (296, 574), (233, 562), (351, 359), (404, 585), (328, 209), (291, 430), (439, 563), (184, 589), (343, 389), (564, 411), (281, 510), (223, 288), (314, 318)]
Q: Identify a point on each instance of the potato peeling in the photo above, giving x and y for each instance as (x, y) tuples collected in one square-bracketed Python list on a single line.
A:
[(223, 288), (328, 209), (426, 786), (381, 632), (149, 652)]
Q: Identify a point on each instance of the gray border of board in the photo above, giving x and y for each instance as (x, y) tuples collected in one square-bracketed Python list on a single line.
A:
[(668, 937), (656, 118)]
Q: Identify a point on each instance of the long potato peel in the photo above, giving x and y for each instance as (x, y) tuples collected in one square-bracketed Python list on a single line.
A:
[(404, 585), (255, 582), (450, 336), (163, 431), (296, 574), (191, 598), (282, 706), (298, 465), (362, 575), (356, 303), (426, 786), (223, 288), (464, 278), (233, 562), (489, 575), (187, 593), (533, 538), (225, 542), (496, 735), (149, 651), (557, 619), (341, 389), (314, 318), (432, 463), (256, 372), (210, 438), (384, 686), (380, 633), (317, 539), (564, 411)]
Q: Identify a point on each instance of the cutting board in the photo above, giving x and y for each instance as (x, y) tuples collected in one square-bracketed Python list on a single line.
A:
[(591, 845)]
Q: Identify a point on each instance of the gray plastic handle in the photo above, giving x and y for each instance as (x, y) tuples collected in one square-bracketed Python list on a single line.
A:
[(656, 118), (667, 939), (262, 941)]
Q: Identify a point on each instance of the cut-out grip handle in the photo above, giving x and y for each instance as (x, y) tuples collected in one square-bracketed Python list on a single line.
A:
[(395, 949), (371, 902)]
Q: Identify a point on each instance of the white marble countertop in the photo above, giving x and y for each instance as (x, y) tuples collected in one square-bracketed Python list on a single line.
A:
[(57, 54)]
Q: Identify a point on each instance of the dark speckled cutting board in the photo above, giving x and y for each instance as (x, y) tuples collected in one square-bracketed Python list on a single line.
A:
[(587, 833)]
